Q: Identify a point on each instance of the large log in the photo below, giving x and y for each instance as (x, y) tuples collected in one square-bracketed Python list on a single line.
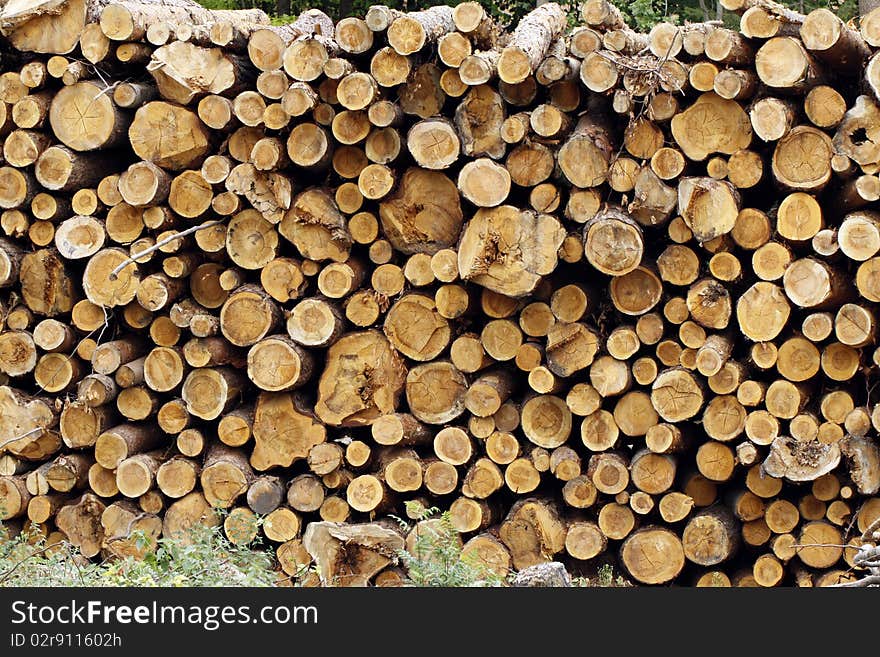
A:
[(711, 125), (84, 117), (274, 447), (653, 555), (508, 250), (81, 523), (363, 379), (585, 156), (350, 555), (532, 532), (409, 33), (266, 45), (424, 214), (184, 72)]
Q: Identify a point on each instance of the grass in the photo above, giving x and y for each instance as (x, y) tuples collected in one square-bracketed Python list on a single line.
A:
[(604, 579)]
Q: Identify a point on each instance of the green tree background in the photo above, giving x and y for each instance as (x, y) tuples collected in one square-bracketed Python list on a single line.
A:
[(640, 13)]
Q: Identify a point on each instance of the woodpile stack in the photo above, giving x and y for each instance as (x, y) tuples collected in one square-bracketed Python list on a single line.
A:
[(606, 296)]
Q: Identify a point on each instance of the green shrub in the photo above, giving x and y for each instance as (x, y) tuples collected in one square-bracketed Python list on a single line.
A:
[(436, 557), (205, 558), (604, 579), (27, 560), (201, 557)]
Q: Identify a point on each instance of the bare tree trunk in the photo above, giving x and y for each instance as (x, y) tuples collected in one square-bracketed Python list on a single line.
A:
[(705, 9)]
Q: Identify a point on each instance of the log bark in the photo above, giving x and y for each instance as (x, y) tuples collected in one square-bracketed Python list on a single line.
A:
[(409, 33)]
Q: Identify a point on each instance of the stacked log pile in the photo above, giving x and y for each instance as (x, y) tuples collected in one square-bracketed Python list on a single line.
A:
[(605, 296)]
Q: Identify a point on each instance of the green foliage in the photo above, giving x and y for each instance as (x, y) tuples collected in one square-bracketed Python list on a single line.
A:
[(203, 556), (604, 579), (206, 558), (266, 5), (639, 14), (282, 19), (509, 12), (27, 560), (436, 557), (643, 14), (506, 12)]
